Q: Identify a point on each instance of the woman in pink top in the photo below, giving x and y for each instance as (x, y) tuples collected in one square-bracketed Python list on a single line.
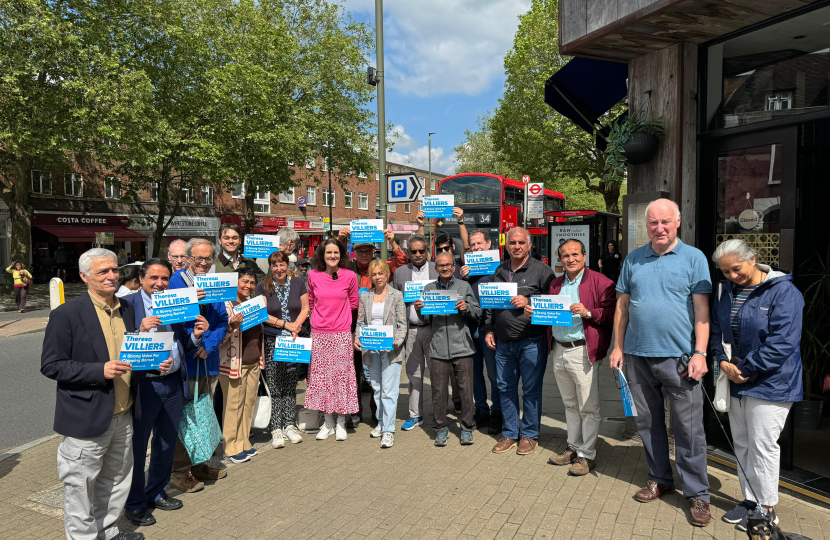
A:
[(332, 295)]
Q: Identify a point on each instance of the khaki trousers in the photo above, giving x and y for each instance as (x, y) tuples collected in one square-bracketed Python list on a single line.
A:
[(239, 397), (207, 385), (576, 378)]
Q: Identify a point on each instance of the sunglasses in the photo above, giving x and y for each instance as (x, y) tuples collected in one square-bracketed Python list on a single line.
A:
[(442, 249)]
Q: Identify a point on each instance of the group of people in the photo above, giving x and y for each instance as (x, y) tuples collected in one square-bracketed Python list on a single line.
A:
[(658, 311)]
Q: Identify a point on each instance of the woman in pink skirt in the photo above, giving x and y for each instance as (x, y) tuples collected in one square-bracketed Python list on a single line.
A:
[(332, 295)]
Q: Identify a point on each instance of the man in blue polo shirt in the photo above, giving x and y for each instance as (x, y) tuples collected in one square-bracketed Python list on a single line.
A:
[(662, 313)]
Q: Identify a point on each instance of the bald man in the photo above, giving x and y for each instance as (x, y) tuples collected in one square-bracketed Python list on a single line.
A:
[(176, 255)]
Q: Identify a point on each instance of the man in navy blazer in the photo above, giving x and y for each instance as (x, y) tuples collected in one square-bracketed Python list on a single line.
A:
[(163, 396)]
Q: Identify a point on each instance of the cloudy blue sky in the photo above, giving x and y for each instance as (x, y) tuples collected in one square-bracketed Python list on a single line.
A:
[(444, 69)]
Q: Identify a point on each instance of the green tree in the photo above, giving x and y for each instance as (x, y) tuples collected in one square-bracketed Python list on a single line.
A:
[(478, 154), (532, 137)]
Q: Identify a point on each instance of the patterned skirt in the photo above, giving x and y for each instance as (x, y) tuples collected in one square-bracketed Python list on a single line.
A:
[(332, 385)]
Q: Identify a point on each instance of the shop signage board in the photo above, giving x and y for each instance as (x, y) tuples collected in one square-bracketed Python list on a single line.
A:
[(439, 302), (497, 295), (254, 312), (176, 305), (482, 263), (146, 350), (376, 337), (551, 310), (412, 289), (261, 246), (292, 350), (55, 219), (366, 230), (438, 206), (218, 287)]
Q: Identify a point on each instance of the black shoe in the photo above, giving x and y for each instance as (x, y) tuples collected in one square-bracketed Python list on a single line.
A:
[(139, 518), (353, 421), (481, 419), (496, 421), (457, 405), (166, 504), (124, 535)]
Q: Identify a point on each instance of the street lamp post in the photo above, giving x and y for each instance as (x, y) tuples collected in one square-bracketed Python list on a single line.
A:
[(381, 119), (331, 201), (429, 181)]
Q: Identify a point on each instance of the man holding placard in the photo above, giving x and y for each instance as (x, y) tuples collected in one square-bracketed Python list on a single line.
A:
[(577, 347), (521, 348), (162, 397), (231, 259), (201, 255)]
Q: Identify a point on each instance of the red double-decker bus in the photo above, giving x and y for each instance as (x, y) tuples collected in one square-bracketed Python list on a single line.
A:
[(496, 204)]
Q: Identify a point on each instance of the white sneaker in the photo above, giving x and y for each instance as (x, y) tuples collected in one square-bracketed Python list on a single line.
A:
[(340, 432), (278, 440), (377, 432), (325, 432), (293, 435), (388, 440)]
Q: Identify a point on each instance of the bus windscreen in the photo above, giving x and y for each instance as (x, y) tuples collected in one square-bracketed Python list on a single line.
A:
[(473, 189)]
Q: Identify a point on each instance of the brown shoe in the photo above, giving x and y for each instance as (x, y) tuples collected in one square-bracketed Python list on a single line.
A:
[(699, 515), (203, 472), (187, 483), (526, 446), (582, 466), (504, 445), (653, 491), (565, 458)]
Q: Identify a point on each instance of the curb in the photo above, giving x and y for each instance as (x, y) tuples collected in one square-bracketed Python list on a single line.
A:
[(23, 447), (23, 333)]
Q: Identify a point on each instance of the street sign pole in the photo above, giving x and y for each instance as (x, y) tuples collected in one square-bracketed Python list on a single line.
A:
[(526, 181), (381, 119)]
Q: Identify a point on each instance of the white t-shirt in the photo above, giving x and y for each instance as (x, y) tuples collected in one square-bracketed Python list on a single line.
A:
[(418, 275), (377, 313)]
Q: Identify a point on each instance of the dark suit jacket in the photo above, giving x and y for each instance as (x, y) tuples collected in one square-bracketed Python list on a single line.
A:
[(74, 354), (182, 341)]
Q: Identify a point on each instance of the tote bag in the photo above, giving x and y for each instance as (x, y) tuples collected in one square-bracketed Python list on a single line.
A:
[(262, 410), (199, 429), (721, 402)]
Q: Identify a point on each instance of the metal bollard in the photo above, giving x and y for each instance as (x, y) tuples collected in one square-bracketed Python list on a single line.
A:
[(56, 297)]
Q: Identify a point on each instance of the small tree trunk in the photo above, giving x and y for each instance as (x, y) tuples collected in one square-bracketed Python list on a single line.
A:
[(250, 194), (611, 195), (20, 212)]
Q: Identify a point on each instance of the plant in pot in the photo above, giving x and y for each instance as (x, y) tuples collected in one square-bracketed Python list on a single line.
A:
[(815, 342), (632, 140)]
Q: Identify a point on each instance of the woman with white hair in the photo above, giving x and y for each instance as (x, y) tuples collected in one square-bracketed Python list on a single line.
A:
[(756, 337)]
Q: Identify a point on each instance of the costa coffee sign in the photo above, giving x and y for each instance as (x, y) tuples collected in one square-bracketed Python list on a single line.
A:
[(80, 221)]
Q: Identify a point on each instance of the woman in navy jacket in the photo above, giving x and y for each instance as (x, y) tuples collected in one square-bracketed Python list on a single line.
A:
[(756, 338)]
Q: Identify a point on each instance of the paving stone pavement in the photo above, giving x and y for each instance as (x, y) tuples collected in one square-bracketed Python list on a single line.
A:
[(353, 489)]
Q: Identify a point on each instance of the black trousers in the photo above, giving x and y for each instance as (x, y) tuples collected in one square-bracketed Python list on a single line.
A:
[(441, 371)]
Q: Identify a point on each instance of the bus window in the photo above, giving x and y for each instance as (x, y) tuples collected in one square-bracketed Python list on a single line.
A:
[(513, 196), (473, 189)]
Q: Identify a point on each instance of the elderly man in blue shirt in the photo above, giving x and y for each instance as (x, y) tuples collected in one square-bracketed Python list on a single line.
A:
[(662, 314)]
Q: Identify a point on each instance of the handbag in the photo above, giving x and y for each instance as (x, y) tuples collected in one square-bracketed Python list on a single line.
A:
[(199, 429), (308, 420), (262, 410), (722, 393)]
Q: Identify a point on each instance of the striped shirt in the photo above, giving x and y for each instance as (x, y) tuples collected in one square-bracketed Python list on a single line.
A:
[(739, 296)]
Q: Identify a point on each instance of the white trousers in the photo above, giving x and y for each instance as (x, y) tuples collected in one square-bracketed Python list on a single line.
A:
[(576, 378), (756, 425), (97, 474)]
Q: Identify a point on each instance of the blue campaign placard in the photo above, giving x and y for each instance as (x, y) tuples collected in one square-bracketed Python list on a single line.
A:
[(482, 263), (439, 302), (551, 310), (218, 287), (366, 231), (438, 206), (254, 312), (261, 246), (176, 305), (497, 295), (146, 350), (412, 289), (376, 337), (288, 350)]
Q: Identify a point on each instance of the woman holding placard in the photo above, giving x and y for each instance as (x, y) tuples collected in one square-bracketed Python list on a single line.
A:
[(383, 305), (287, 300), (240, 361), (332, 295)]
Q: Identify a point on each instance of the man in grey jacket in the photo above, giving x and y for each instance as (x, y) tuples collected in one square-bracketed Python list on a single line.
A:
[(451, 350)]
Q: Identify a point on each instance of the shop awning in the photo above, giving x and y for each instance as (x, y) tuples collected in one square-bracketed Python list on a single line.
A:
[(585, 89), (87, 234)]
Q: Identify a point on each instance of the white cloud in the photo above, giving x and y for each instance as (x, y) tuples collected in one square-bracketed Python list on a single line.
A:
[(418, 156), (435, 47)]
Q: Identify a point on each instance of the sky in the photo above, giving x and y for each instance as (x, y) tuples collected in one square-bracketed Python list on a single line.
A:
[(444, 69)]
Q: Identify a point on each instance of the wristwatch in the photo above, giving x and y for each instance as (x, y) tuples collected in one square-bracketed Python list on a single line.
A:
[(587, 314), (701, 353)]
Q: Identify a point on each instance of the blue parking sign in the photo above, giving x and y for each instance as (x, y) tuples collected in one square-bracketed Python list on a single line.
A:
[(399, 187)]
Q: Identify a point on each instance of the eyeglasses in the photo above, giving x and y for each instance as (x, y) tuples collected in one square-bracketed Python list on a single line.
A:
[(202, 260), (177, 257), (442, 249), (417, 251), (442, 266)]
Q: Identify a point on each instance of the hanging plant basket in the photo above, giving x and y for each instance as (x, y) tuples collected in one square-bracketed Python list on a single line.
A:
[(640, 148), (633, 140)]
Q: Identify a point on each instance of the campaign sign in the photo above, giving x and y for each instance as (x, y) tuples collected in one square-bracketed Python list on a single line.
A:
[(439, 302), (376, 338), (438, 206), (482, 263), (218, 287), (261, 246), (176, 305), (366, 231), (146, 350), (551, 310), (629, 407), (412, 289), (296, 350), (497, 295), (253, 312)]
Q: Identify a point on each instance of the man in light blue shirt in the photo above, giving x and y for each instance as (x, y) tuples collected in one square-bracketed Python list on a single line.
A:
[(663, 313)]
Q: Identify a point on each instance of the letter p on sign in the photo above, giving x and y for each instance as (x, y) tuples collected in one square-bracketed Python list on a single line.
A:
[(399, 188)]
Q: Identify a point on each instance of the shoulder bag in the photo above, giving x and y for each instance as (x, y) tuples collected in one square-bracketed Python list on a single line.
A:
[(722, 386), (199, 429)]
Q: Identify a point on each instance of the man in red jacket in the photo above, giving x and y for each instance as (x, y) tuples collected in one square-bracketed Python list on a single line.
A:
[(575, 350)]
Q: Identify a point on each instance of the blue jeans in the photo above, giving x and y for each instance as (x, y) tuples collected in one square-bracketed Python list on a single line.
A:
[(525, 359), (483, 357), (385, 378)]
